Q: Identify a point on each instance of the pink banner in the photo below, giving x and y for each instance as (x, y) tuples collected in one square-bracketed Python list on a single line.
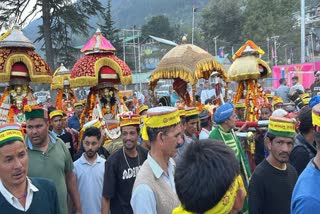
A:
[(304, 71)]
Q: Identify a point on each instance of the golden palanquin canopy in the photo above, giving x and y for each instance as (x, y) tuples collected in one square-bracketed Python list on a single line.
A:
[(19, 60), (187, 62), (60, 78)]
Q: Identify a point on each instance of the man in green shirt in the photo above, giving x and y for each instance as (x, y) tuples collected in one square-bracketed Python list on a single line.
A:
[(226, 118), (49, 157)]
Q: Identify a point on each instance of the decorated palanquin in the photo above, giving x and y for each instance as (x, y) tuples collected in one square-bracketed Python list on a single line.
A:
[(66, 97), (100, 69), (19, 65), (247, 69), (185, 63)]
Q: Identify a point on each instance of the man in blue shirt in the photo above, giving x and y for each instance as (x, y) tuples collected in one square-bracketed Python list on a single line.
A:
[(305, 197), (283, 90), (89, 171), (74, 121)]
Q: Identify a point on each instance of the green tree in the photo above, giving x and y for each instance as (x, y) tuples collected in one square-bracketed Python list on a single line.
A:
[(56, 15), (222, 18), (158, 26), (109, 30), (268, 18)]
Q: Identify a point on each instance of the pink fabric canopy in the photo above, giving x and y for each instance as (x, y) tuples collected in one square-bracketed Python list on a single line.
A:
[(98, 42)]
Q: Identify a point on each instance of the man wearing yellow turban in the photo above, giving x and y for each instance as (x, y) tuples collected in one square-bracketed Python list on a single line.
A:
[(154, 188)]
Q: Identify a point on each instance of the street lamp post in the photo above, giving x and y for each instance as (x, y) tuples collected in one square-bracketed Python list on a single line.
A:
[(268, 44), (194, 9), (215, 45), (285, 53), (303, 45)]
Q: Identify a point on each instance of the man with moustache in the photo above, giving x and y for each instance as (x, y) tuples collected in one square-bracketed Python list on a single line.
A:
[(154, 188), (273, 180), (49, 157), (19, 193), (122, 167)]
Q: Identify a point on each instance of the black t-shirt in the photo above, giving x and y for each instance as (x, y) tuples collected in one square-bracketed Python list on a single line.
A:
[(315, 88), (119, 179), (66, 137), (259, 148), (270, 189)]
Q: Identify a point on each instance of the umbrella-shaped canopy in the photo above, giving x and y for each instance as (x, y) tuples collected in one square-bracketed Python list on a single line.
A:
[(187, 62), (18, 60), (247, 64), (61, 78), (99, 65)]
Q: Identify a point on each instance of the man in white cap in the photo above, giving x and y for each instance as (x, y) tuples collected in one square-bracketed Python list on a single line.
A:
[(154, 188)]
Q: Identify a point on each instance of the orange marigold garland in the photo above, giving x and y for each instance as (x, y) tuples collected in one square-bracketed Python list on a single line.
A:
[(11, 115), (59, 99), (4, 107), (239, 92), (88, 108)]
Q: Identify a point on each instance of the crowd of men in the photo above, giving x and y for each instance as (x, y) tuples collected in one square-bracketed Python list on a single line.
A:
[(172, 160)]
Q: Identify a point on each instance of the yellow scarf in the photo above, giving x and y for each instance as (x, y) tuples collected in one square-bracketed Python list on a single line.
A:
[(225, 205)]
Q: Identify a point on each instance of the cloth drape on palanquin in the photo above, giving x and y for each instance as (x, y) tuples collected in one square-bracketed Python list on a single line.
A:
[(247, 69), (66, 97), (185, 63), (19, 66), (101, 70)]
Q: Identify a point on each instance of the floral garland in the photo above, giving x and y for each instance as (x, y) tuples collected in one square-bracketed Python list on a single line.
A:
[(88, 108), (59, 99), (4, 107), (239, 92), (11, 115), (5, 94)]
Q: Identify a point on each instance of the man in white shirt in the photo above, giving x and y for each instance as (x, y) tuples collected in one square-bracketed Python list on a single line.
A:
[(208, 92), (154, 189), (206, 124)]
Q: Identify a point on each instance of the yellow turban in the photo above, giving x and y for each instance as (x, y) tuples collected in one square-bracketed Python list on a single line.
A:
[(129, 119), (55, 113), (11, 132), (159, 117), (225, 205), (276, 100)]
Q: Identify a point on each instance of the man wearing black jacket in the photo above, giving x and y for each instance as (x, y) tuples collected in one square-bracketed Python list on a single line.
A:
[(304, 149)]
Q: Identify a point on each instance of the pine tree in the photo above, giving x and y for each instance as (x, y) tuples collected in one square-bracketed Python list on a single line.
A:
[(56, 15), (110, 31)]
